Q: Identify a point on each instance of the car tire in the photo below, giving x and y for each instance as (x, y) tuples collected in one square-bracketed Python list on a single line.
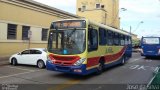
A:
[(40, 64), (14, 61)]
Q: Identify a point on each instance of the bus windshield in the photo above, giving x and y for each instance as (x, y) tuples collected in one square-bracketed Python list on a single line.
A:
[(151, 41), (67, 42)]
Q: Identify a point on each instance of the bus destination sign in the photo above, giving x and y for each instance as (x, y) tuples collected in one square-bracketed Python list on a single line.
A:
[(68, 24)]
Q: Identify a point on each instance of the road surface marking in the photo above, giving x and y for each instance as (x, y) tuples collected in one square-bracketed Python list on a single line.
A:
[(148, 60), (65, 85), (19, 74), (141, 67), (20, 68), (135, 60)]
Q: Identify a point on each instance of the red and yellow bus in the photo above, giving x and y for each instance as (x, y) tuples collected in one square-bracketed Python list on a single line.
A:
[(80, 46)]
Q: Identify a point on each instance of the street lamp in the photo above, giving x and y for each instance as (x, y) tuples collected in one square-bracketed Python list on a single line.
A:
[(141, 22), (122, 9)]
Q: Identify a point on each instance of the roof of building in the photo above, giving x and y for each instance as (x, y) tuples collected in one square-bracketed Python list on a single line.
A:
[(31, 4)]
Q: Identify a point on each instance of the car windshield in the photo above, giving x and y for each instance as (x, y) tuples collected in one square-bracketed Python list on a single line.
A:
[(66, 42), (151, 41), (45, 50)]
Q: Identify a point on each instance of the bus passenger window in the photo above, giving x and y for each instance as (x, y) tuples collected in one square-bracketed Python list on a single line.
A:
[(126, 40), (130, 40), (102, 36), (92, 40), (110, 38), (122, 39), (116, 39)]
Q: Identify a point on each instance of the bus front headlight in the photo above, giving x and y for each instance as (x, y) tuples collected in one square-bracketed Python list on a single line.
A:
[(79, 62), (49, 59), (159, 51)]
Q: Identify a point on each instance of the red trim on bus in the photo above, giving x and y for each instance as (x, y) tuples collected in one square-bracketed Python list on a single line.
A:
[(64, 60), (108, 58)]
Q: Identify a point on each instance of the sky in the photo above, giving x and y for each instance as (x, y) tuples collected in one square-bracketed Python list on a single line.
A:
[(143, 16)]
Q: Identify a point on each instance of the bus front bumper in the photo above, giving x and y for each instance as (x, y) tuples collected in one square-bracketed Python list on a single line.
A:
[(81, 70), (151, 55)]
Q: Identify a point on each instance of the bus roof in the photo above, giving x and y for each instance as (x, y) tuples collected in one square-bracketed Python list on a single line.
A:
[(151, 37), (110, 28), (100, 25)]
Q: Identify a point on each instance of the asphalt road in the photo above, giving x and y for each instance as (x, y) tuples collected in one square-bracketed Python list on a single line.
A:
[(137, 71)]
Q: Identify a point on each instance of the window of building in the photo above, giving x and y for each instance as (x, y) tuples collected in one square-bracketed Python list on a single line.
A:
[(98, 6), (44, 34), (12, 31), (102, 6), (79, 9), (25, 30), (83, 8)]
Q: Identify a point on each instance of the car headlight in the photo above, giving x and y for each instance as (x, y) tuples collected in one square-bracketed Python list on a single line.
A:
[(79, 62)]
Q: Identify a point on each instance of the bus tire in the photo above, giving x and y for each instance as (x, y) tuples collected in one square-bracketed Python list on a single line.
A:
[(123, 61), (147, 57), (100, 67)]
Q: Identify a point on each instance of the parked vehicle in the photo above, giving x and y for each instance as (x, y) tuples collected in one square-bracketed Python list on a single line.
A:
[(150, 46), (33, 56)]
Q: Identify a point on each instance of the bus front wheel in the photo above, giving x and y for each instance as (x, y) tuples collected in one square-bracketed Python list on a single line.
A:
[(100, 68)]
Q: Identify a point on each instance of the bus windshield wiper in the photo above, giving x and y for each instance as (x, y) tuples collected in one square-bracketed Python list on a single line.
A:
[(68, 36)]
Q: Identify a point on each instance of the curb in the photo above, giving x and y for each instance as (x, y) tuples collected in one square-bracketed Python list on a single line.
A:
[(4, 61), (3, 64)]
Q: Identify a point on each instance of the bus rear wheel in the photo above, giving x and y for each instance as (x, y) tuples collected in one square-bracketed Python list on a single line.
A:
[(123, 60)]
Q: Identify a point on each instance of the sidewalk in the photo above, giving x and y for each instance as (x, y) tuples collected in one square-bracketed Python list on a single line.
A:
[(4, 61), (155, 82)]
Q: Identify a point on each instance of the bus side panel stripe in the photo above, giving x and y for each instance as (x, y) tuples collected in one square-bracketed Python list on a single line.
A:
[(92, 62), (114, 57)]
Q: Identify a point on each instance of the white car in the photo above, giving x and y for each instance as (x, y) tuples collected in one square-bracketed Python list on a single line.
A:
[(33, 56)]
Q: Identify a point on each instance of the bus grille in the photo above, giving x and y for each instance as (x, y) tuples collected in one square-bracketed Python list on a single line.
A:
[(64, 60)]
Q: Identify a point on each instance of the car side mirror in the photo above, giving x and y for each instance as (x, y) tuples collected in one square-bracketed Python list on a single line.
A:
[(19, 53)]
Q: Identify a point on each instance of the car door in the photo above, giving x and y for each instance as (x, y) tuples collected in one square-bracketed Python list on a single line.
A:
[(36, 55), (24, 57)]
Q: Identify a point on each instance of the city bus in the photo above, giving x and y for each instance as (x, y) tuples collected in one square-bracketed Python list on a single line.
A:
[(81, 46), (150, 46)]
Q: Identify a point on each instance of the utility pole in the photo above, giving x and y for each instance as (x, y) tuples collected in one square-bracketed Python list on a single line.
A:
[(130, 30)]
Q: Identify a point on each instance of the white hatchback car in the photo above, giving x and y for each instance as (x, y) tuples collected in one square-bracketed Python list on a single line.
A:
[(33, 56)]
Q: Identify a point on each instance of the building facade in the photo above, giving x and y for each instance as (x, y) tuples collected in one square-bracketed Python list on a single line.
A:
[(21, 19), (101, 11)]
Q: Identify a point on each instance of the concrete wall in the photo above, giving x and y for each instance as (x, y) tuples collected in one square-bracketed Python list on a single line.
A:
[(22, 13), (111, 10)]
